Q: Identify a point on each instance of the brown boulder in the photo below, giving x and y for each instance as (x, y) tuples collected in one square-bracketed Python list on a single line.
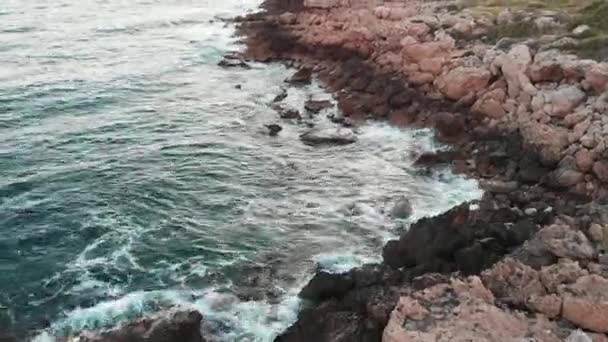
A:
[(584, 160), (563, 273)]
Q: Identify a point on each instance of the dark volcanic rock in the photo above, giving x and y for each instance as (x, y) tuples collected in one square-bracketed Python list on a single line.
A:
[(460, 239), (183, 326), (302, 76), (332, 136), (326, 285)]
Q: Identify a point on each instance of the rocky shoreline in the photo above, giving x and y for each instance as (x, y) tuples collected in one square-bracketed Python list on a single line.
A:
[(525, 119), (528, 121)]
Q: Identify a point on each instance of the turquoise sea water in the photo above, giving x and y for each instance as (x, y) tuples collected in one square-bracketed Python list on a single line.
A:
[(135, 176)]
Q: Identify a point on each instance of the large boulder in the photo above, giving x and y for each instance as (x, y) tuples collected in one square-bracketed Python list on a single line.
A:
[(182, 326), (546, 140), (463, 81), (559, 102), (329, 136)]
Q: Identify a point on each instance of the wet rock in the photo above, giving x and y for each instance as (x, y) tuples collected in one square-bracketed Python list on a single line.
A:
[(301, 77), (290, 114), (280, 97), (183, 326), (402, 208), (233, 61), (325, 285), (274, 129), (315, 106), (329, 136)]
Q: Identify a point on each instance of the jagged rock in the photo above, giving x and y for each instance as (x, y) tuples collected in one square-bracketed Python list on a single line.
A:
[(462, 310), (183, 326), (330, 136), (325, 285), (564, 272), (513, 281)]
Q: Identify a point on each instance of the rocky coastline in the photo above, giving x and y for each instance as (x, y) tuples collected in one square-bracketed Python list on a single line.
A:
[(525, 118)]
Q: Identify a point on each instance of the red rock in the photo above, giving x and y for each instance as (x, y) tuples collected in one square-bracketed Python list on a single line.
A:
[(586, 313), (490, 104), (514, 280), (432, 65), (597, 76), (463, 81), (550, 306), (563, 273), (417, 52)]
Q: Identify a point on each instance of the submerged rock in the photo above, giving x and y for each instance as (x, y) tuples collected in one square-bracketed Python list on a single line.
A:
[(330, 136), (402, 209)]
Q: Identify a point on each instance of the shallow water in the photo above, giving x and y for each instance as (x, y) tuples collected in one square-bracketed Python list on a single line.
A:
[(136, 177)]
